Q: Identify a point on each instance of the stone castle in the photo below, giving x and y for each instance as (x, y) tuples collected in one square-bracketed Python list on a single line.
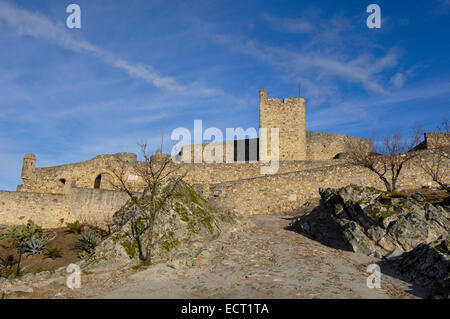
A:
[(53, 196)]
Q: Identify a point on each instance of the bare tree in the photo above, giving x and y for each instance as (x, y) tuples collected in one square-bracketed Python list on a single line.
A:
[(436, 164), (148, 198), (387, 158)]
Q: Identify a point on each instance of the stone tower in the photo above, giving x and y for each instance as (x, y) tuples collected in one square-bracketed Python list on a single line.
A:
[(289, 116), (28, 166)]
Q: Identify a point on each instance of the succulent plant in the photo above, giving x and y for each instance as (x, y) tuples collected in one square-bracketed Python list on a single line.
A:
[(75, 228), (89, 240), (53, 253), (34, 246)]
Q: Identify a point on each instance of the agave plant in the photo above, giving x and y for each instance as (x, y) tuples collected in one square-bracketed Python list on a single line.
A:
[(34, 246), (89, 240)]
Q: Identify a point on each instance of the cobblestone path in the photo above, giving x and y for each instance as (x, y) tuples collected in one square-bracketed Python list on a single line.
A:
[(266, 261)]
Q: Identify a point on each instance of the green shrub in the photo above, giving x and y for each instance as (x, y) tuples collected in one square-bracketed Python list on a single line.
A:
[(34, 246), (10, 273), (7, 265), (88, 241), (75, 228), (53, 253), (21, 234)]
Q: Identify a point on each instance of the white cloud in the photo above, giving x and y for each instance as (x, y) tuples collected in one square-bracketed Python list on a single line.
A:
[(363, 69), (36, 25), (357, 111), (289, 25), (398, 80)]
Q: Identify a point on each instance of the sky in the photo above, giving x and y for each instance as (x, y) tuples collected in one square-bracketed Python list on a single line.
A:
[(137, 69)]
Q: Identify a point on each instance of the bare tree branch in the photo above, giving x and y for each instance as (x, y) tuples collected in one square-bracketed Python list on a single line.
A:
[(386, 159), (151, 198)]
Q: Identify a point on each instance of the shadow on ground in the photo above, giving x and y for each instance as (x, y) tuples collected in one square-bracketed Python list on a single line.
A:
[(317, 225)]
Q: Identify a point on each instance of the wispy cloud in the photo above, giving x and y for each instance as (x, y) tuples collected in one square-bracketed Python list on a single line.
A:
[(357, 112), (300, 25), (362, 69), (34, 24)]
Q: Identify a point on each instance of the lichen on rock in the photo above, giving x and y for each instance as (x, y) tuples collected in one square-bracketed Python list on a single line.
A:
[(185, 224), (375, 222)]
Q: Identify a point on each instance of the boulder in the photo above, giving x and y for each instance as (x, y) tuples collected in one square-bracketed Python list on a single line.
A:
[(185, 224), (374, 222), (427, 265)]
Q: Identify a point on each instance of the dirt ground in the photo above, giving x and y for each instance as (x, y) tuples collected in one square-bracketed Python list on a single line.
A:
[(65, 241)]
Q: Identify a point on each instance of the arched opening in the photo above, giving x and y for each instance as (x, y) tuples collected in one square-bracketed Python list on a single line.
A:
[(98, 181), (62, 181)]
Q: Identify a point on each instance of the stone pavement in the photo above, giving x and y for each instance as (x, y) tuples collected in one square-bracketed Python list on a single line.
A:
[(266, 261)]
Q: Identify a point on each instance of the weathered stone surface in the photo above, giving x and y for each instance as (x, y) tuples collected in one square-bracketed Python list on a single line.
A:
[(186, 223), (374, 222), (428, 265)]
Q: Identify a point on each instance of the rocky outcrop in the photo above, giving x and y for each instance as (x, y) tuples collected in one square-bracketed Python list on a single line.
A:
[(374, 222), (185, 224), (427, 265)]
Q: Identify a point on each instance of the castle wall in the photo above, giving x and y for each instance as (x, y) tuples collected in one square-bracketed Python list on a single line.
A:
[(270, 194), (95, 206), (83, 174), (48, 179), (284, 192), (44, 209), (218, 173), (188, 156), (324, 146), (437, 139), (319, 146)]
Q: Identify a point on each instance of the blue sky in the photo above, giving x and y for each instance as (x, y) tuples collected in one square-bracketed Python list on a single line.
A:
[(137, 68)]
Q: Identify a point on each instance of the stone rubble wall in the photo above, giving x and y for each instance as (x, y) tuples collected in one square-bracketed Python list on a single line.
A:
[(95, 206), (48, 179), (325, 146), (284, 192), (83, 174), (240, 187)]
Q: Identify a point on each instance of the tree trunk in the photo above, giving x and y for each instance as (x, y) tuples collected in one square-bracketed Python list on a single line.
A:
[(18, 265)]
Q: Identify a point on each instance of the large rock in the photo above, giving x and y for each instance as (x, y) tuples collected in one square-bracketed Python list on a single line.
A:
[(427, 265), (187, 222), (374, 222)]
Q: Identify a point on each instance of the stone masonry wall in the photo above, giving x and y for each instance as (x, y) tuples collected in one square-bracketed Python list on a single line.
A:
[(270, 194), (284, 192), (56, 210), (289, 116), (83, 174), (48, 179), (324, 146), (45, 209)]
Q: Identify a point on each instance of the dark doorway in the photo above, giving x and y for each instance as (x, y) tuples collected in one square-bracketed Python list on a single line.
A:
[(98, 181)]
